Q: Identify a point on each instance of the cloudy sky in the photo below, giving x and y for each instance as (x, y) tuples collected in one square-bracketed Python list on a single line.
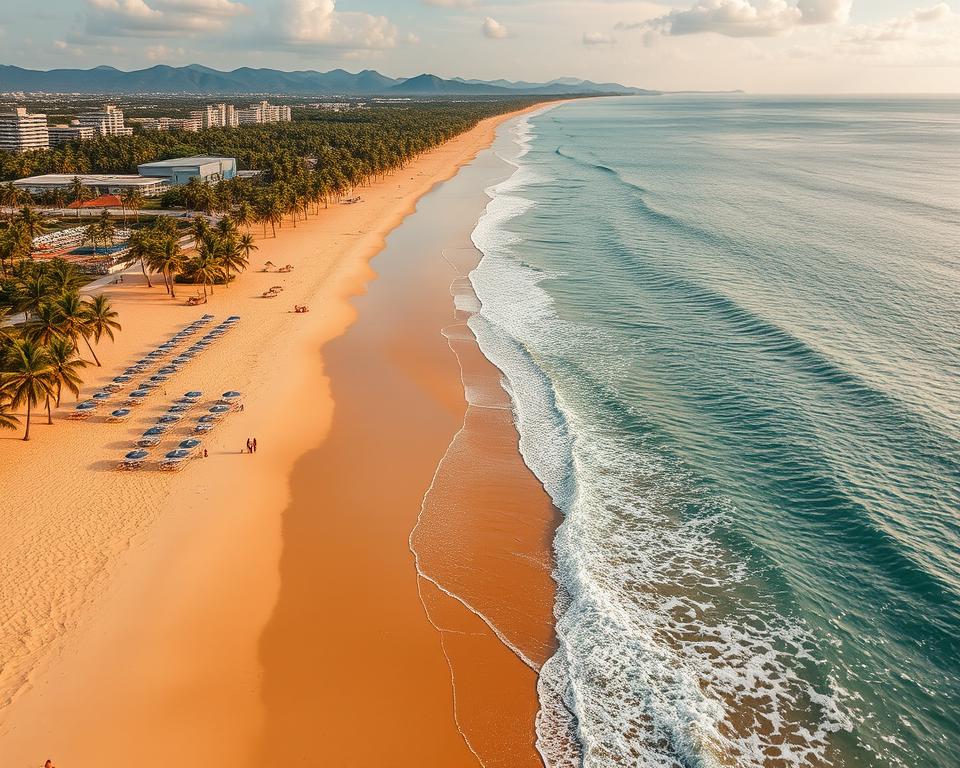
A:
[(809, 46)]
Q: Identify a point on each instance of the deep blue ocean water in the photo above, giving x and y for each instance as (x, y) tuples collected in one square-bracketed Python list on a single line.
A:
[(731, 329)]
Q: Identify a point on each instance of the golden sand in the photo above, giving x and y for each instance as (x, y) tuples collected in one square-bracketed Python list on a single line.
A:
[(148, 618)]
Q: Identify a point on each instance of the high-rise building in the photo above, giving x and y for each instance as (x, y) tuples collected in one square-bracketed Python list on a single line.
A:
[(61, 134), (263, 112), (105, 122), (216, 116), (21, 131), (169, 123)]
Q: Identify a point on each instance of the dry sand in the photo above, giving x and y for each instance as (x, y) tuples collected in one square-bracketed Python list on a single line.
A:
[(148, 618)]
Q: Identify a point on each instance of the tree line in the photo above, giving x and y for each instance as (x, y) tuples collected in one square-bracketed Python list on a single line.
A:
[(40, 356)]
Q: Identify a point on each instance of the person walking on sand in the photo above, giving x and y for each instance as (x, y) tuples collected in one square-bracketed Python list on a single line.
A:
[(254, 445), (249, 446), (49, 764)]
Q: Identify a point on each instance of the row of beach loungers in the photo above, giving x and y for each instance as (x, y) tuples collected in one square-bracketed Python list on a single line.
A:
[(188, 448), (156, 362), (153, 360)]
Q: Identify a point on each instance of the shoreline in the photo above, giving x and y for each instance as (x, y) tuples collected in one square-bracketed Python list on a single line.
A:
[(186, 546)]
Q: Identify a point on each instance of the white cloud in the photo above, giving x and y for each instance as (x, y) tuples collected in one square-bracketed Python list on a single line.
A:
[(451, 3), (824, 11), (922, 25), (597, 38), (319, 23), (162, 52), (138, 18), (494, 29), (938, 12), (747, 18)]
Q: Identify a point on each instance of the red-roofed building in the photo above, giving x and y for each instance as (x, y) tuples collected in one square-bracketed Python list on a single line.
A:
[(104, 201)]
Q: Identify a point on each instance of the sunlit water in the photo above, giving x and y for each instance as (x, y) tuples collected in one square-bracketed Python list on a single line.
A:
[(731, 330)]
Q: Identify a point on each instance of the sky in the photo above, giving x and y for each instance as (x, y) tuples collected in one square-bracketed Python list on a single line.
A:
[(762, 46)]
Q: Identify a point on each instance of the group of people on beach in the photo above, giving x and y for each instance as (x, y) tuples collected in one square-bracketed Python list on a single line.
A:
[(251, 445)]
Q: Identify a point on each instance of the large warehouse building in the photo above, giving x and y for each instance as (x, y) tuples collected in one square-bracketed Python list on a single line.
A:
[(179, 170)]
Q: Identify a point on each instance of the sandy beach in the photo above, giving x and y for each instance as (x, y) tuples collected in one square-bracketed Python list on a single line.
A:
[(265, 609)]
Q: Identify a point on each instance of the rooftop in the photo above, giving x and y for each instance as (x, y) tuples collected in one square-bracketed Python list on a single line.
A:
[(194, 160), (97, 178)]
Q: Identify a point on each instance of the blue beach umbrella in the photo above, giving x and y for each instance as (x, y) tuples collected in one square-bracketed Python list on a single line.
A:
[(138, 455), (177, 453), (170, 418), (193, 394), (138, 394), (87, 405), (189, 444), (102, 395), (120, 413), (179, 408), (220, 409)]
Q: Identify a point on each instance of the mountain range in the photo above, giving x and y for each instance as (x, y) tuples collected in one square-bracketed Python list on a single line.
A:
[(197, 79)]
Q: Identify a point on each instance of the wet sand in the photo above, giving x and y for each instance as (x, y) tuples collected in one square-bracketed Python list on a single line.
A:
[(349, 629), (134, 605)]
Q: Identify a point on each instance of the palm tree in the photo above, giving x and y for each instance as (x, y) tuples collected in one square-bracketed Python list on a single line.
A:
[(78, 192), (9, 197), (75, 321), (101, 320), (199, 227), (7, 332), (232, 257), (29, 377), (243, 216), (206, 268), (65, 364), (7, 420), (30, 222), (106, 227), (246, 245), (134, 200), (141, 249), (33, 291), (168, 260), (44, 326), (91, 234)]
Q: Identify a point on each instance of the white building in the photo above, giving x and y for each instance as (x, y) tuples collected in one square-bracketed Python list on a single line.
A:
[(105, 122), (22, 132), (216, 116), (101, 183), (60, 134), (169, 123), (263, 112)]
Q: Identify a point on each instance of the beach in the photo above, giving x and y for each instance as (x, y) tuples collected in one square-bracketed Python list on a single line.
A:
[(265, 609)]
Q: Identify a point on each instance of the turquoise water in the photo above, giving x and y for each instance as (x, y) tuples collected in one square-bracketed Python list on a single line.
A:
[(731, 330)]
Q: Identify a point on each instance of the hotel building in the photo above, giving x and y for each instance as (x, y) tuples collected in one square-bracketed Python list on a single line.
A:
[(168, 123), (22, 132), (61, 134), (105, 122), (263, 113), (216, 116)]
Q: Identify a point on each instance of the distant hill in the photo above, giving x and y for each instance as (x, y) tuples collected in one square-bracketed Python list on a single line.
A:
[(197, 79)]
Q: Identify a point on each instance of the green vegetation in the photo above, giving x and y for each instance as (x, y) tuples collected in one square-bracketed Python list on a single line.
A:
[(320, 156), (40, 356)]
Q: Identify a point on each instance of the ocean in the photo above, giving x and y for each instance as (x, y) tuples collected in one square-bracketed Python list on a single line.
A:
[(730, 329)]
